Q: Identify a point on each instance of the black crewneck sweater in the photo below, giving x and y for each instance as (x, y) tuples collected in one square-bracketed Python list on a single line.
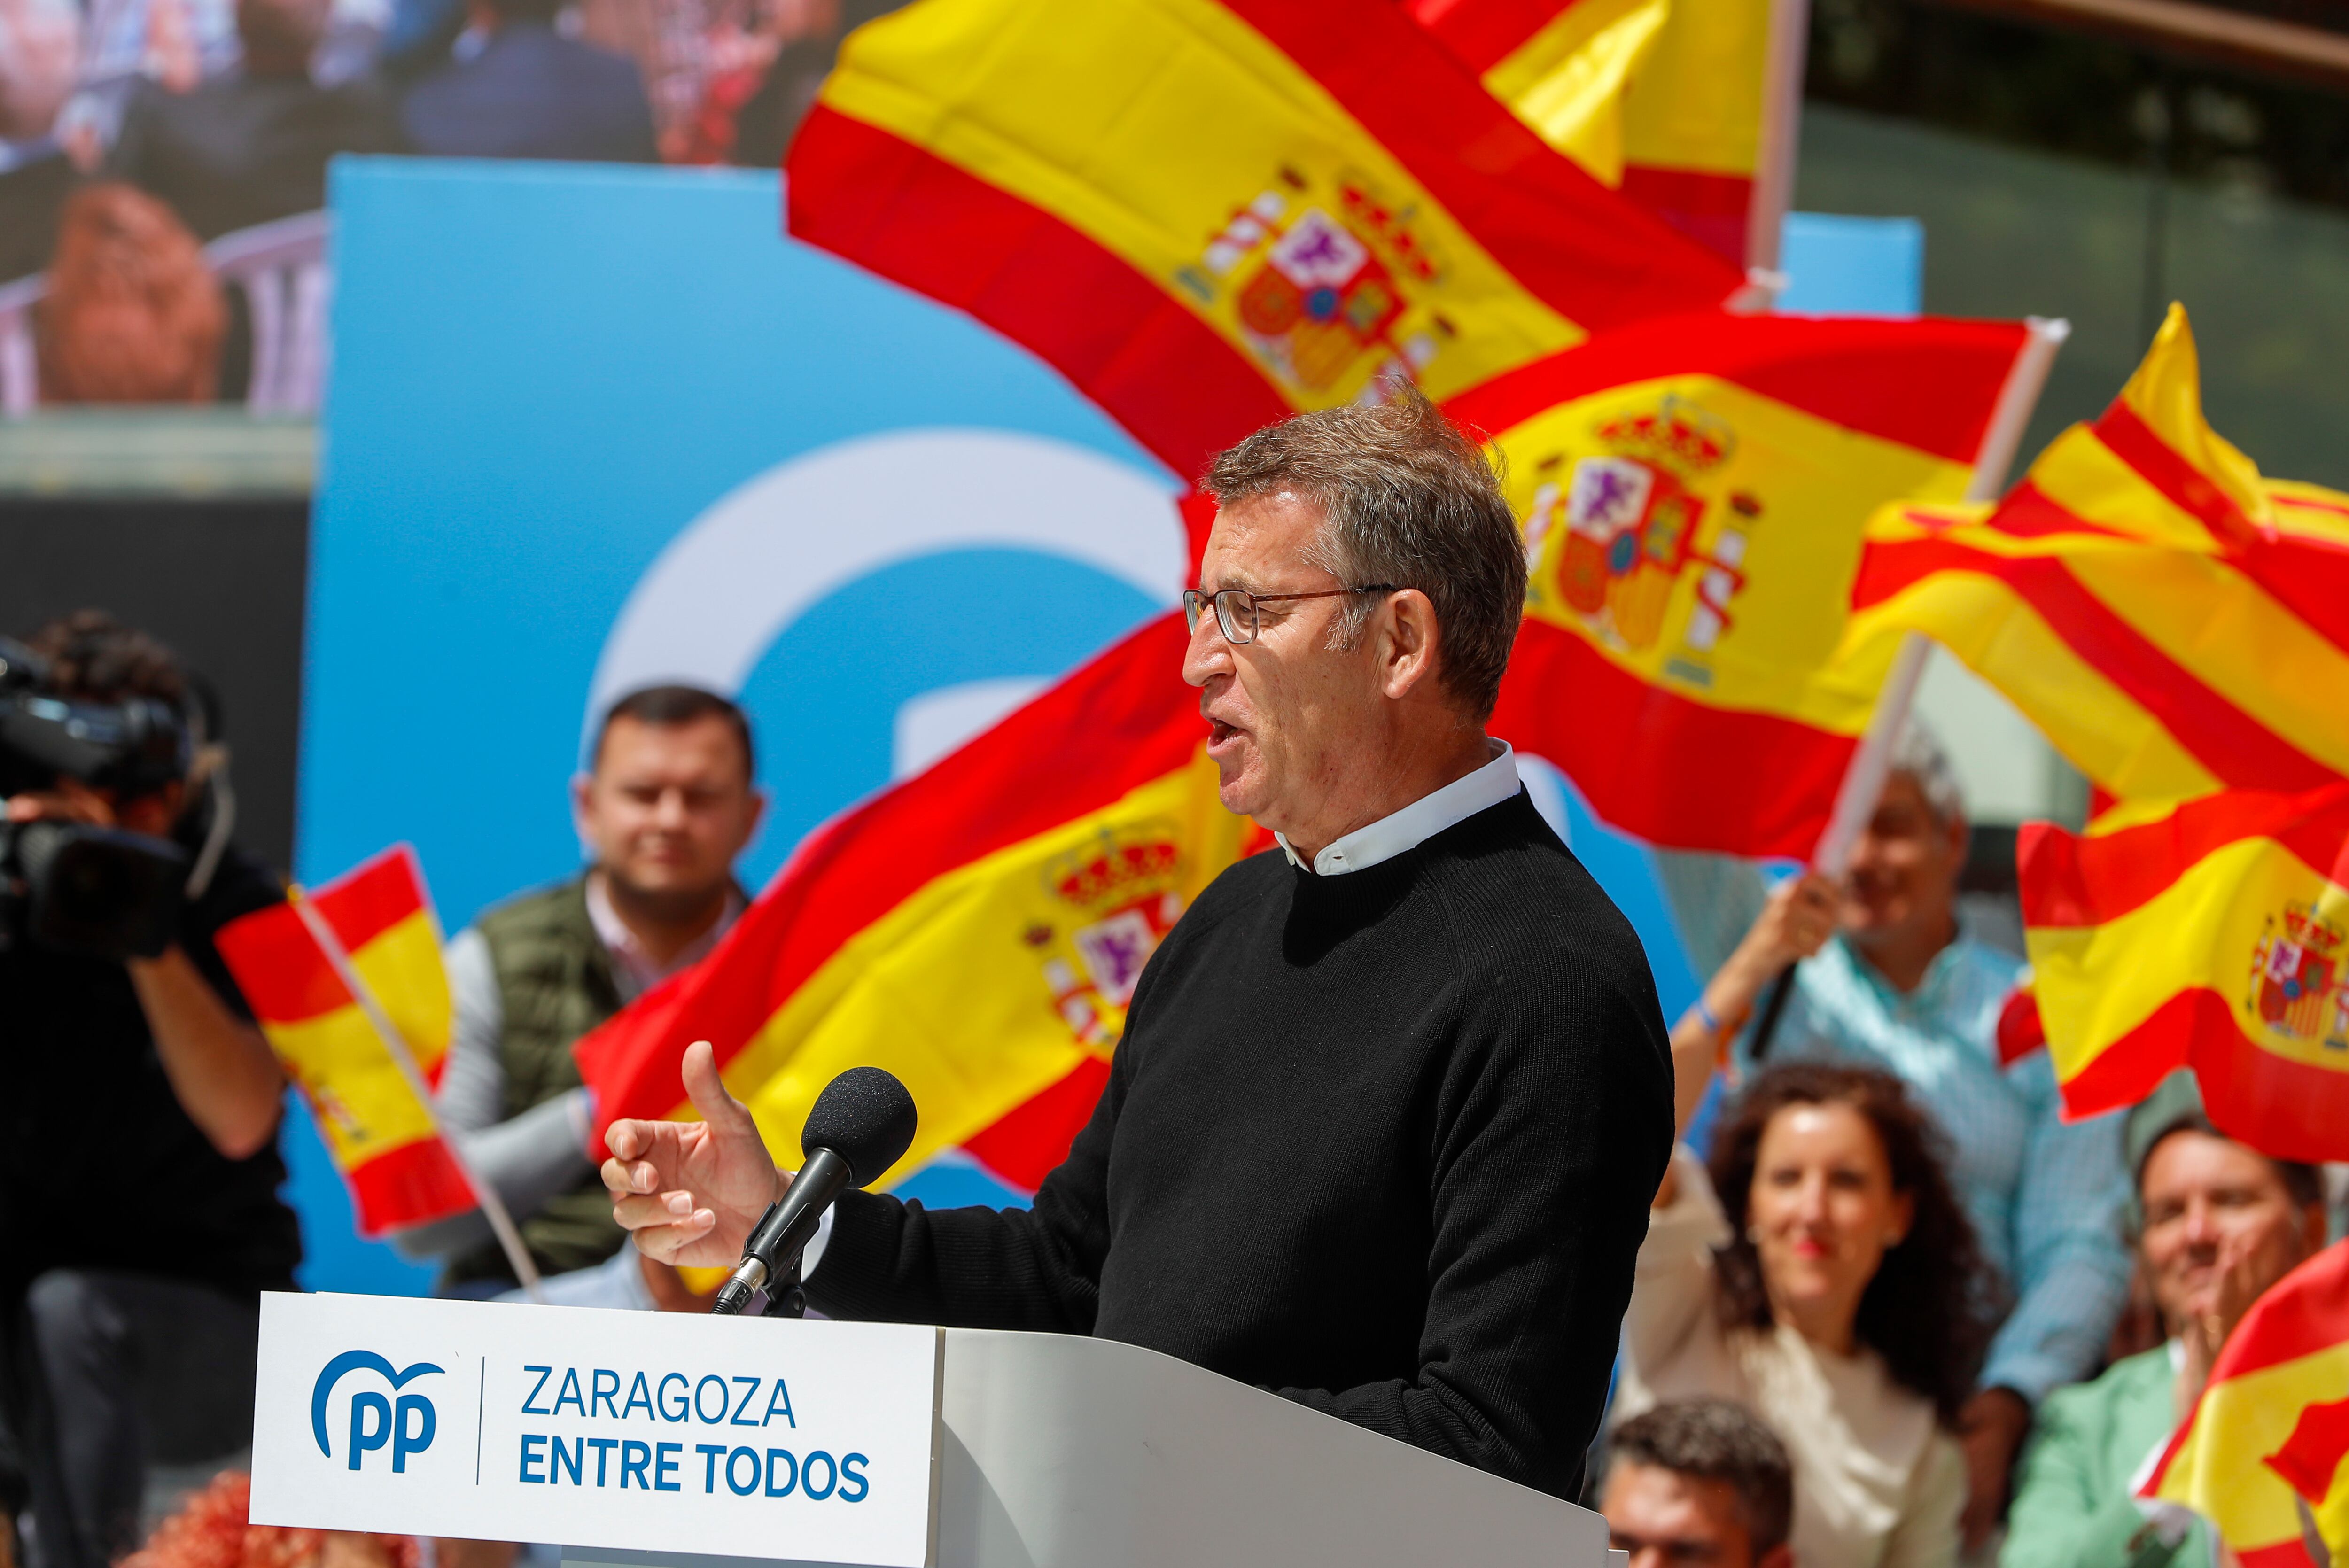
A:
[(1382, 1142)]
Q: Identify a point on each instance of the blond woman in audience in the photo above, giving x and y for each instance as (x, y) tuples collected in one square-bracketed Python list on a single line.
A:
[(1824, 1274)]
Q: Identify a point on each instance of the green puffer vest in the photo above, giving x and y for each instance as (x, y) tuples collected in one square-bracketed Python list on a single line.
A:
[(555, 984)]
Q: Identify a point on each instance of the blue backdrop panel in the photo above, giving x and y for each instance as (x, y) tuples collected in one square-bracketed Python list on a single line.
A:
[(550, 382), (1852, 266)]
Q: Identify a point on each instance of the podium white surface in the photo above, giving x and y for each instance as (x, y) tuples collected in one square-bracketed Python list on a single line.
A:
[(1062, 1452), (1044, 1451)]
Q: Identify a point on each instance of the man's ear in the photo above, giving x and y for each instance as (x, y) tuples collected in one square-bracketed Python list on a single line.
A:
[(1779, 1556), (581, 783), (1409, 642)]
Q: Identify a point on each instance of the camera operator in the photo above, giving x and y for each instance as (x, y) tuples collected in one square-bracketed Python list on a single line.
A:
[(141, 1217)]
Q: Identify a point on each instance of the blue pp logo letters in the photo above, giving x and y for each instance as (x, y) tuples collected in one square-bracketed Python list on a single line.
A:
[(406, 1424)]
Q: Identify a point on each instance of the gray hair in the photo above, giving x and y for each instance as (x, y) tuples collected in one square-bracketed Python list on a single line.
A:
[(1408, 500), (1919, 753)]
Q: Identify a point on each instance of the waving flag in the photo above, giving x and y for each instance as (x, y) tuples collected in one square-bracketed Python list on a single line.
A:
[(2172, 622), (2214, 936), (977, 929), (2261, 1454), (381, 1137), (1209, 214), (1660, 98), (1694, 491)]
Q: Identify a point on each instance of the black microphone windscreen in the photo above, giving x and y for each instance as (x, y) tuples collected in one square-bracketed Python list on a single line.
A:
[(866, 1118)]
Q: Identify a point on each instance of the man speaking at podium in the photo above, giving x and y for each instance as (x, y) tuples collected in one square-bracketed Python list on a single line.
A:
[(1390, 1107)]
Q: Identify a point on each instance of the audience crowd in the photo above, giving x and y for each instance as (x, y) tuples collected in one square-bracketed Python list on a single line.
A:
[(1877, 1322), (224, 114)]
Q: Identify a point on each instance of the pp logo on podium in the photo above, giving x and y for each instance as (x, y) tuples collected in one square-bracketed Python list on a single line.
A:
[(405, 1424)]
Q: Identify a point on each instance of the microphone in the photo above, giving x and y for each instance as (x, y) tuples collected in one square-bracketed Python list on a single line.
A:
[(861, 1125)]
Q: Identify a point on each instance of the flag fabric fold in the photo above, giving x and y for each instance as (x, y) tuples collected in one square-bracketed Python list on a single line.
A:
[(1694, 491), (977, 929), (1662, 99), (381, 1137), (2261, 1454), (2173, 623), (2212, 934), (1211, 214)]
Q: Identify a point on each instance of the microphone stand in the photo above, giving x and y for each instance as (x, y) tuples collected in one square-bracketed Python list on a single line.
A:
[(787, 1297)]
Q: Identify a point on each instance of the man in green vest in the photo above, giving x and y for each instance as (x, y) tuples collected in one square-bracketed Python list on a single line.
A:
[(670, 800), (2218, 1222)]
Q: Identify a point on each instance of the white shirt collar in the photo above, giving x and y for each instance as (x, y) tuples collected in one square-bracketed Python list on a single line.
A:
[(1420, 821), (635, 970)]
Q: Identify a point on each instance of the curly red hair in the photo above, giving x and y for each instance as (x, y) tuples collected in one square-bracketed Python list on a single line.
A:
[(213, 1529)]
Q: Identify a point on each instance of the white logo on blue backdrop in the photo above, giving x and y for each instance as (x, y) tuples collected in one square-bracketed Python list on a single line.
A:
[(1024, 534)]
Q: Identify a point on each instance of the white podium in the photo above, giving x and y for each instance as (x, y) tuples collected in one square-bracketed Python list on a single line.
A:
[(987, 1449)]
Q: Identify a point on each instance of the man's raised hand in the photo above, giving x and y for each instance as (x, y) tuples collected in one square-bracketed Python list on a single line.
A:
[(689, 1191)]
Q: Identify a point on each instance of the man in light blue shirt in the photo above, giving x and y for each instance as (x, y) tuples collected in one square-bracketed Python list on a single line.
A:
[(1888, 979)]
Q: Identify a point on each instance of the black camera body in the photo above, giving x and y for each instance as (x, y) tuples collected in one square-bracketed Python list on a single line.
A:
[(66, 885)]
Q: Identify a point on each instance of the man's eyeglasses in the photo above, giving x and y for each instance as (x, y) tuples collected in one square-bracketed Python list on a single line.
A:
[(1236, 608)]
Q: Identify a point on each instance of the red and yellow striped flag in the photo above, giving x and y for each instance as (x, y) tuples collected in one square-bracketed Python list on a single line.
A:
[(977, 929), (1694, 491), (2173, 623), (1662, 99), (2261, 1455), (2212, 936), (1209, 214), (382, 1138)]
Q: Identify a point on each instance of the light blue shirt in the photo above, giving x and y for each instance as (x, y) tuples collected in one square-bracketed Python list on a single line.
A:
[(2047, 1196)]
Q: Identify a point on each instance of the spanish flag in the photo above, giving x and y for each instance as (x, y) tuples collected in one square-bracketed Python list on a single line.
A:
[(1209, 214), (2210, 933), (1662, 99), (381, 1136), (2261, 1455), (977, 929), (2174, 622), (1694, 493)]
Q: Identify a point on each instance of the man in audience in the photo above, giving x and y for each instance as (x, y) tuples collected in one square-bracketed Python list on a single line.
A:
[(1698, 1481), (252, 143), (1890, 979), (141, 1217), (132, 313), (670, 800), (2218, 1222), (532, 93)]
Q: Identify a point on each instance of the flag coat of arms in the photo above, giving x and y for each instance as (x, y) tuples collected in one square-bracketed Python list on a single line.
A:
[(2174, 622), (1209, 214), (381, 1137), (977, 929), (2260, 1456), (1662, 99), (2210, 933), (1693, 492)]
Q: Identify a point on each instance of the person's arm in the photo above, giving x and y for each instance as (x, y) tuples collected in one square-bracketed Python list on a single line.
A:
[(219, 1067), (526, 1159), (1796, 921), (1672, 1287), (2070, 1280), (2065, 1515), (1554, 1129), (891, 1261), (1926, 1533), (2072, 1268)]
